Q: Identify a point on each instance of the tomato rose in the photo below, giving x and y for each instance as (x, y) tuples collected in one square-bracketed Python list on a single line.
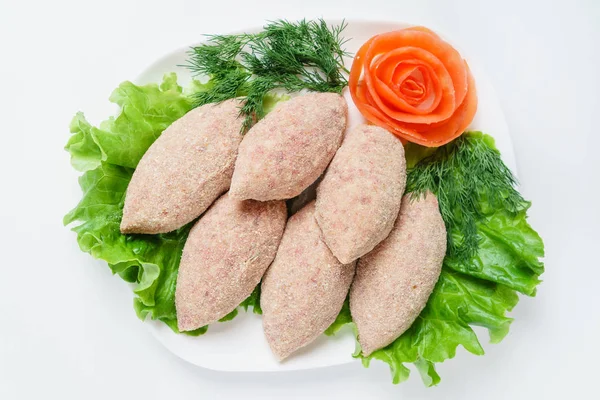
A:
[(415, 85)]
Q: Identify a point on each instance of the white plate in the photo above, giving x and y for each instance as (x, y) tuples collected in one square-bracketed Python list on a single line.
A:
[(239, 345)]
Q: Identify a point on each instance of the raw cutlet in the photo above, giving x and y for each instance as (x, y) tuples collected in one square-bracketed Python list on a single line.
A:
[(304, 289), (224, 258), (186, 169), (394, 281), (358, 199), (290, 148)]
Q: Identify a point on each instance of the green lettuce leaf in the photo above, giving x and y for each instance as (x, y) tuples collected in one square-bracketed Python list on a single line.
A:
[(146, 111), (108, 155), (509, 252), (456, 302), (342, 319)]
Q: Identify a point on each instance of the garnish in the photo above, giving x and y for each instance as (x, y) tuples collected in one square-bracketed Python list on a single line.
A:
[(415, 85), (292, 56), (463, 174), (492, 254)]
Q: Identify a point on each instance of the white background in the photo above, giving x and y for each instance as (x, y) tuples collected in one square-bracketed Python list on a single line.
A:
[(67, 328)]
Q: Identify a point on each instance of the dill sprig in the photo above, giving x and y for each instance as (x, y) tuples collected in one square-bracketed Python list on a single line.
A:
[(292, 56), (469, 179)]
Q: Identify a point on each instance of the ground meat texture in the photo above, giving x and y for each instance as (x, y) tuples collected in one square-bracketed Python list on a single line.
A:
[(186, 169), (394, 281), (359, 197), (290, 148), (224, 258), (304, 289)]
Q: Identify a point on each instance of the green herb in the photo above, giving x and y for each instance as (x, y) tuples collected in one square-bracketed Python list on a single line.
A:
[(285, 55), (462, 174), (343, 318)]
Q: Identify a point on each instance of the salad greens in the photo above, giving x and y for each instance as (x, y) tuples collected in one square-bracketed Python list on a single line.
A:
[(108, 155), (145, 112), (494, 252), (485, 216), (481, 275)]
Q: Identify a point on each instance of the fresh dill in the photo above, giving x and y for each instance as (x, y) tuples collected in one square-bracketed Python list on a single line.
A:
[(469, 179), (292, 56)]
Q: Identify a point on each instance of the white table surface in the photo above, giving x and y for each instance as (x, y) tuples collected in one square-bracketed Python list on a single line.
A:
[(67, 328)]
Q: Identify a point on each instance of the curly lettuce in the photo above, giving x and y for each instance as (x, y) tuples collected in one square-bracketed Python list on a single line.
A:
[(108, 155), (476, 287)]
